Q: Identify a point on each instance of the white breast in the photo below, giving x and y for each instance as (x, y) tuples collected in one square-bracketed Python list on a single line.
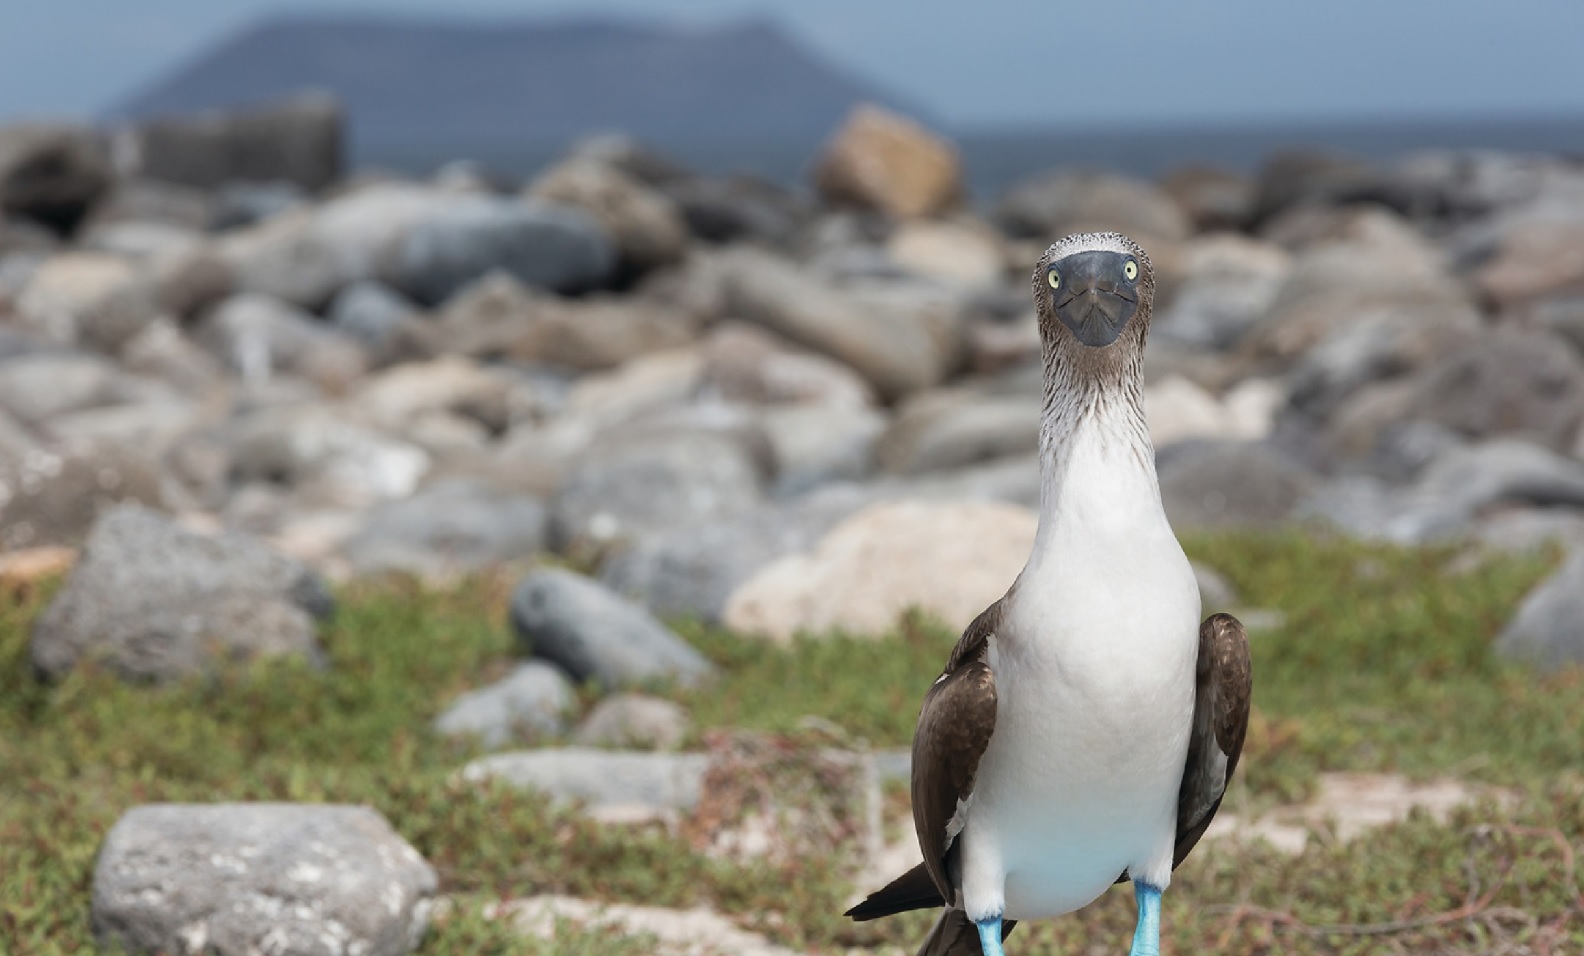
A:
[(1094, 667)]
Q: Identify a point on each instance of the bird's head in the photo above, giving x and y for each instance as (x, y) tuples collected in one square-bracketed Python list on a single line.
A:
[(1094, 291)]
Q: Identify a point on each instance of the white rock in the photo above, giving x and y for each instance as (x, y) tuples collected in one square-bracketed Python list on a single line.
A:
[(949, 559), (952, 252), (1178, 410)]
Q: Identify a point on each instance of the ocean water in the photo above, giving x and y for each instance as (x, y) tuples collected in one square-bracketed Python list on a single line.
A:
[(995, 159)]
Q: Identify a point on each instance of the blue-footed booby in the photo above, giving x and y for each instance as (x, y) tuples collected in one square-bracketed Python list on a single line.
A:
[(1087, 723)]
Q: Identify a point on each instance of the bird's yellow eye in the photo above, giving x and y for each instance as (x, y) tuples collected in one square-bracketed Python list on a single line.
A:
[(1130, 269), (1054, 279)]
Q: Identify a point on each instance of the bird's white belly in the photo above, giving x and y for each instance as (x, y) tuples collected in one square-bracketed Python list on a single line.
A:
[(1095, 682)]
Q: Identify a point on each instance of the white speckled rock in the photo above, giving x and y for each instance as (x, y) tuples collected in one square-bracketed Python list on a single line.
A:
[(260, 878)]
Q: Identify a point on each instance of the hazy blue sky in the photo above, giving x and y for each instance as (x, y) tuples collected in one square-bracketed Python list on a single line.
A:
[(985, 62)]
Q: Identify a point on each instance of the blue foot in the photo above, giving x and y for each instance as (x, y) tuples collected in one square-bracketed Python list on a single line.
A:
[(990, 936), (1146, 938)]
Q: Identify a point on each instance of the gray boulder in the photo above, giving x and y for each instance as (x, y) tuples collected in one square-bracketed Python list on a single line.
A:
[(1504, 471), (373, 314), (1379, 344), (1232, 282), (152, 601), (953, 428), (1366, 264), (594, 635), (297, 140), (51, 173), (646, 481), (531, 702), (38, 386), (1451, 491), (260, 337), (691, 571), (902, 337), (1526, 384), (648, 784), (450, 528), (816, 444), (241, 879), (634, 720), (540, 243), (1548, 631), (1230, 484), (305, 255)]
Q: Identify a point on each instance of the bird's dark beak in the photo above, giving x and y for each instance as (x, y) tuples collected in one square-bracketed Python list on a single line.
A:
[(1094, 301)]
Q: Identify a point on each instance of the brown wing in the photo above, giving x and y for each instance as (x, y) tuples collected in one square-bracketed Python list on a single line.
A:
[(1220, 721), (954, 728)]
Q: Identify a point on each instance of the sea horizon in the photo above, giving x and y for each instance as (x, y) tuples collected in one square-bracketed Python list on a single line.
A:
[(996, 157)]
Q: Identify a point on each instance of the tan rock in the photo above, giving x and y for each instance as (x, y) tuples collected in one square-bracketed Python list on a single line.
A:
[(751, 365), (948, 559), (396, 397), (67, 287), (881, 160), (499, 316), (20, 569), (644, 384), (956, 253), (1534, 260)]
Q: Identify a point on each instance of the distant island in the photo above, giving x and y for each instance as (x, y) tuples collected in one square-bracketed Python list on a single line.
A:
[(741, 96), (420, 91)]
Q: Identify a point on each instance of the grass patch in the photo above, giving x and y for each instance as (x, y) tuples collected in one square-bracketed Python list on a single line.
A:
[(1383, 662)]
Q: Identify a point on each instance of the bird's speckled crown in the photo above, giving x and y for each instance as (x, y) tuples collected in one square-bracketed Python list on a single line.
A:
[(1092, 242)]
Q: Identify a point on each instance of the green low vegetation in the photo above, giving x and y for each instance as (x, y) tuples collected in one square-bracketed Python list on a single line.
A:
[(1381, 662)]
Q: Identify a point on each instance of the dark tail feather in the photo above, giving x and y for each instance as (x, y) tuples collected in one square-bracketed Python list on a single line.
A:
[(955, 935), (913, 890)]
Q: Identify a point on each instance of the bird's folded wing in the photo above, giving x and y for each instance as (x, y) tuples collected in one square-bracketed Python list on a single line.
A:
[(954, 727), (1221, 710)]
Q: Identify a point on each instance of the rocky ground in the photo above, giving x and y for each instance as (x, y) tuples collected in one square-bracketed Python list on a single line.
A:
[(667, 396)]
